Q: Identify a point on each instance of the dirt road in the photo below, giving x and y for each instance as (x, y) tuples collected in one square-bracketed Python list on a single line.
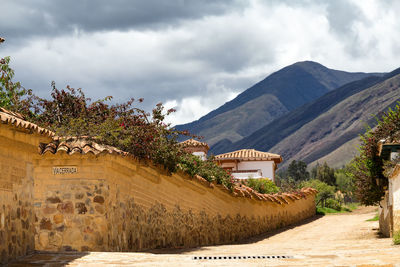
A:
[(333, 240)]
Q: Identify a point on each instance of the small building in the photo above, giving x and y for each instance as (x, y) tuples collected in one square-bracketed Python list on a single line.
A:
[(196, 148), (249, 163), (389, 208)]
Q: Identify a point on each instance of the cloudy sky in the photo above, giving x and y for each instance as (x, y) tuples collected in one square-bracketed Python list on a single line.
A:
[(190, 54)]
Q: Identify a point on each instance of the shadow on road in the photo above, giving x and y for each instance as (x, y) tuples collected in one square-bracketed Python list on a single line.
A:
[(47, 259), (250, 240)]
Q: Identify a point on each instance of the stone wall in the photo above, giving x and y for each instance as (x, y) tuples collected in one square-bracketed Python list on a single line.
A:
[(88, 199), (17, 148), (114, 203)]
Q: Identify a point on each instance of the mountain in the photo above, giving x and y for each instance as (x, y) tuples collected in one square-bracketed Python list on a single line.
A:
[(271, 98), (327, 128)]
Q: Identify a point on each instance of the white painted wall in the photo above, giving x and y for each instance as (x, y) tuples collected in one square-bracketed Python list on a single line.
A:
[(266, 167), (394, 192), (247, 175)]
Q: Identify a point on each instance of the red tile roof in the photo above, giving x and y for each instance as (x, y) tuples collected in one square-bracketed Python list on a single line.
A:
[(194, 143), (249, 154), (17, 120), (74, 145)]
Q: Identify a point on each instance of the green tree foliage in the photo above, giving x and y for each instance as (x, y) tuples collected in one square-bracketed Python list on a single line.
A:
[(344, 182), (326, 174), (207, 169), (367, 168), (13, 96), (314, 170), (297, 170), (325, 191), (263, 186)]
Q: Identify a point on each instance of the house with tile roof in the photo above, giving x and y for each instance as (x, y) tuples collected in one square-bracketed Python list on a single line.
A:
[(249, 163), (196, 148)]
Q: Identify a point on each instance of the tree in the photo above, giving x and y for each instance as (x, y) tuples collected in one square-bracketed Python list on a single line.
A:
[(325, 191), (314, 170), (297, 170), (326, 174), (344, 182), (367, 169), (13, 96)]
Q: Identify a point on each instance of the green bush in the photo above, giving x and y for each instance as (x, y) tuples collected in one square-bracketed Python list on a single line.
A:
[(396, 238), (325, 191), (262, 185), (208, 169), (333, 204)]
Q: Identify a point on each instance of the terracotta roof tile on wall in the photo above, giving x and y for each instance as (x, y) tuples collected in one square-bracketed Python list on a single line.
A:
[(17, 120), (194, 143), (75, 145), (249, 154)]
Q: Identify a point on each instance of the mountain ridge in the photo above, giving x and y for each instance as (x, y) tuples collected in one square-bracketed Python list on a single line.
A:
[(271, 98), (302, 134)]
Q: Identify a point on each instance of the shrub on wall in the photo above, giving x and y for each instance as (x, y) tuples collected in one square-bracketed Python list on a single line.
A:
[(262, 185), (368, 168), (207, 169), (145, 135)]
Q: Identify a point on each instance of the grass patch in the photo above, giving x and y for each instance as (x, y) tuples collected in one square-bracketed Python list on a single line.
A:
[(396, 238), (324, 211), (352, 206), (376, 218), (348, 208)]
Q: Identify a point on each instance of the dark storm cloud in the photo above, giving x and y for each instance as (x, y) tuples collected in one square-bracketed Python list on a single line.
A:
[(192, 54), (42, 17)]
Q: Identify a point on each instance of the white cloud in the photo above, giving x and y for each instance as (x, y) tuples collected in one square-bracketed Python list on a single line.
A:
[(205, 60)]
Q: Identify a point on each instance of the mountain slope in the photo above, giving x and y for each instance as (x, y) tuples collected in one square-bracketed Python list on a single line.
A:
[(266, 137), (276, 95), (318, 131)]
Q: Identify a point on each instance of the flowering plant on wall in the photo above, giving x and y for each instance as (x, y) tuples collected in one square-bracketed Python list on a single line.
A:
[(69, 113), (368, 169)]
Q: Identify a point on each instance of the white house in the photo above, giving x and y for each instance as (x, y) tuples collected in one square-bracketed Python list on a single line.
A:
[(249, 163), (195, 147)]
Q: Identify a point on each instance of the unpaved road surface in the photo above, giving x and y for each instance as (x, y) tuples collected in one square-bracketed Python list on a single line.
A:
[(333, 240)]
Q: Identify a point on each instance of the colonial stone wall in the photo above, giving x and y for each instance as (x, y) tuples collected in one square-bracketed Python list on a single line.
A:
[(104, 200), (114, 203), (70, 208), (17, 147)]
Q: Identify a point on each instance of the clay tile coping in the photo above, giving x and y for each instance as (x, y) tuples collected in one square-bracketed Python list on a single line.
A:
[(194, 143), (17, 120), (249, 154), (79, 145)]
